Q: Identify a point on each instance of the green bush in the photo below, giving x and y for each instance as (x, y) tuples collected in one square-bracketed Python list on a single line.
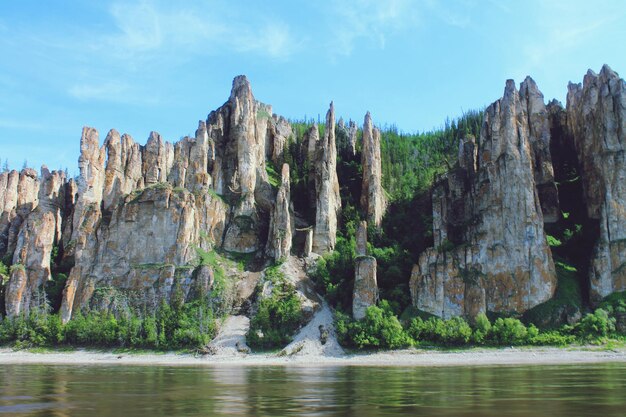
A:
[(510, 331), (614, 303), (551, 338), (278, 316), (482, 328), (452, 332), (190, 326), (380, 328), (595, 326)]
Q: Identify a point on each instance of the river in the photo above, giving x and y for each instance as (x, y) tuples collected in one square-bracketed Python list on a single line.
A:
[(128, 391)]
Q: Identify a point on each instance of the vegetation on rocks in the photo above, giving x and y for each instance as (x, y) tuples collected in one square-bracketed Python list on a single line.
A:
[(278, 314)]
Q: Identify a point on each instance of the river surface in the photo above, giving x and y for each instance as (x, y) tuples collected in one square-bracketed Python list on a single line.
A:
[(128, 391)]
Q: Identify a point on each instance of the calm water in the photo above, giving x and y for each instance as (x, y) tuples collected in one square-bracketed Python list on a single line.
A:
[(581, 390)]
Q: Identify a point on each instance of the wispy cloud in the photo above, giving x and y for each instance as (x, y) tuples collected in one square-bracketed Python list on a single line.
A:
[(371, 20), (375, 21), (107, 91), (21, 125), (149, 28), (562, 28)]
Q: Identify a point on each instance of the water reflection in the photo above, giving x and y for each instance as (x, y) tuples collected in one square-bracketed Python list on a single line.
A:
[(45, 390)]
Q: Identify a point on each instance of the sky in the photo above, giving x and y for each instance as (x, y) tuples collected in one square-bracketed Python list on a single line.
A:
[(144, 65)]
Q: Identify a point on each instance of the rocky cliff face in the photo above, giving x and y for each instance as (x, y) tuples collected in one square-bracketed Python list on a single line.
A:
[(373, 200), (490, 248), (596, 119), (365, 293), (137, 216), (280, 234), (328, 201), (39, 232)]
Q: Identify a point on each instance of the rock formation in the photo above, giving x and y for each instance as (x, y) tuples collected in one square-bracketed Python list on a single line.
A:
[(490, 248), (372, 195), (39, 232), (532, 103), (328, 201), (280, 234), (352, 134), (596, 118), (139, 220), (365, 292)]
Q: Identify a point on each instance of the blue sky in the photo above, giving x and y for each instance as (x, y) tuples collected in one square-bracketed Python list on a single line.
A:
[(149, 65)]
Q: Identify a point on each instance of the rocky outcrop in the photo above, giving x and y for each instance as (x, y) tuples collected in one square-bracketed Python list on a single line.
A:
[(328, 201), (373, 200), (280, 133), (533, 105), (139, 224), (490, 248), (365, 292), (280, 233), (596, 119), (20, 198), (37, 236), (8, 205), (239, 131), (352, 134)]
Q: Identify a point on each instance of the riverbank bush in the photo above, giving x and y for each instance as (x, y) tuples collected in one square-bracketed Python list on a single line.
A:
[(278, 316), (382, 329), (379, 329), (188, 326)]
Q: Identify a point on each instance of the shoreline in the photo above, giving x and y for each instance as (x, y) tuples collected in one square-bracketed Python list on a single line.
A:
[(404, 358)]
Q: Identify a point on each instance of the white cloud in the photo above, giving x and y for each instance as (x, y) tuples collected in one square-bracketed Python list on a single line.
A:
[(369, 19), (106, 91), (375, 21), (149, 28), (562, 27)]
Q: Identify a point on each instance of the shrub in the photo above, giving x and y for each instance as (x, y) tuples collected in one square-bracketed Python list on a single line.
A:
[(380, 328), (452, 332), (614, 303), (595, 326), (510, 331), (277, 318), (552, 337), (482, 327)]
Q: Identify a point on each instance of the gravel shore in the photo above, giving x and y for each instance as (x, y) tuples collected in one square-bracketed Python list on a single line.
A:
[(410, 357)]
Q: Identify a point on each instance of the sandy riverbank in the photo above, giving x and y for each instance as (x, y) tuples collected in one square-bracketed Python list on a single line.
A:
[(413, 357)]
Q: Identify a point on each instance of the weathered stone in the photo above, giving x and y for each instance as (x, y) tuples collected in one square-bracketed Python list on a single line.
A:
[(280, 133), (38, 234), (280, 233), (365, 287), (352, 134), (148, 247), (532, 103), (596, 118), (328, 202), (25, 202), (373, 200), (361, 239), (156, 157), (123, 172), (8, 204), (488, 226), (308, 243)]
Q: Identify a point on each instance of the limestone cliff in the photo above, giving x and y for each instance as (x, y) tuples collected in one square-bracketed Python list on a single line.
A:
[(365, 293), (280, 234), (373, 200), (596, 118), (39, 232), (490, 248), (328, 201)]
